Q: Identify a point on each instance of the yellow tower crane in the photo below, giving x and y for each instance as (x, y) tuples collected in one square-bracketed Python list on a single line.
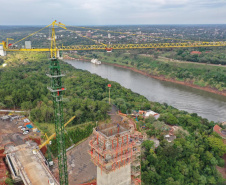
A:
[(54, 49), (52, 136), (56, 85)]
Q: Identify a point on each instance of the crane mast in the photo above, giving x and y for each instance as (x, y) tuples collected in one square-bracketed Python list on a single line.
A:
[(56, 90)]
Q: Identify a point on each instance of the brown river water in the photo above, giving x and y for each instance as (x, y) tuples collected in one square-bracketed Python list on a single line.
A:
[(205, 104)]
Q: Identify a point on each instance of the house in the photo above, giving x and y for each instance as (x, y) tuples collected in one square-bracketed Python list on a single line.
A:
[(219, 131), (170, 138), (152, 113), (196, 53), (141, 112)]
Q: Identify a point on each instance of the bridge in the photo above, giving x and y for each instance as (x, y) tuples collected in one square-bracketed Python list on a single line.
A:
[(27, 166)]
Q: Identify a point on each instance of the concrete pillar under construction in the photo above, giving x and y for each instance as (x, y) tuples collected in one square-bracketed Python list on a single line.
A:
[(2, 52), (120, 176), (113, 151)]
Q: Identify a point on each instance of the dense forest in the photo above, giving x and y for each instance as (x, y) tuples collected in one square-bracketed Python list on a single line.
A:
[(24, 85), (209, 55), (192, 157), (197, 74), (203, 55)]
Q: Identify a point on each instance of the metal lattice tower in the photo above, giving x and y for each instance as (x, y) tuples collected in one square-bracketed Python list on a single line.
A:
[(57, 91)]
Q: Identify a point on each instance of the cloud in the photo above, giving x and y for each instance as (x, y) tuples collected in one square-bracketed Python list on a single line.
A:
[(112, 11)]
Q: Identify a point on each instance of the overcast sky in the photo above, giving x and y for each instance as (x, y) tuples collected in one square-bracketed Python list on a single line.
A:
[(111, 12)]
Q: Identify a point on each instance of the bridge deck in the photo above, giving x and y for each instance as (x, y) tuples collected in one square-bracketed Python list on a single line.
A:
[(30, 167)]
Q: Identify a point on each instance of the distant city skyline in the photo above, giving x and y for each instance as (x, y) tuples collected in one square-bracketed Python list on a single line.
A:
[(112, 12)]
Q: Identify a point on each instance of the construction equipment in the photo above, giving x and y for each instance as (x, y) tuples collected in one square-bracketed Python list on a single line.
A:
[(49, 156), (48, 142), (54, 49), (121, 46), (8, 42), (62, 158), (53, 135), (57, 89)]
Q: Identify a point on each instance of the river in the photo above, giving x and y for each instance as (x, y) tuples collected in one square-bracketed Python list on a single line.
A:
[(205, 104)]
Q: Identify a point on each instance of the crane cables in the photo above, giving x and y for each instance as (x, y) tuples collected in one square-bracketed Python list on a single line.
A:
[(31, 34)]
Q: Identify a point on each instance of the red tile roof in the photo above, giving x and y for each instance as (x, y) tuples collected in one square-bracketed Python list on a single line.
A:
[(217, 129), (196, 52)]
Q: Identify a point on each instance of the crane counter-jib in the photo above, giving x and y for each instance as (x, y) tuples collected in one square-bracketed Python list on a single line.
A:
[(34, 49), (126, 46)]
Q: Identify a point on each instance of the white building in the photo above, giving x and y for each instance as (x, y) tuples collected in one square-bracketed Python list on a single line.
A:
[(152, 113), (2, 52)]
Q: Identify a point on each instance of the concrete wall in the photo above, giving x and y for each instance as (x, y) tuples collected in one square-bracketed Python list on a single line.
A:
[(121, 176), (2, 52)]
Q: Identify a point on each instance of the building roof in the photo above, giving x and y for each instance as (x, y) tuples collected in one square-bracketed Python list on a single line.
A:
[(196, 52), (217, 129), (150, 112), (170, 138)]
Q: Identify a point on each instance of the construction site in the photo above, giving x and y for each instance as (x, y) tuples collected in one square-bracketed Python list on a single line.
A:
[(116, 153), (111, 155)]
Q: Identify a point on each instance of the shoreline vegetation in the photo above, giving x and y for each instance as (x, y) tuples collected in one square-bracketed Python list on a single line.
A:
[(161, 77), (190, 159)]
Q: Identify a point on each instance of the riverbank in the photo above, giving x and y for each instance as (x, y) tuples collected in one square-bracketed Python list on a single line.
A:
[(189, 84), (162, 77)]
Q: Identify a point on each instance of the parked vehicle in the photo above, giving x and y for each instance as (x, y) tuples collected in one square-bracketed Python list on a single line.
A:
[(23, 129), (50, 181), (25, 133), (20, 127), (26, 120)]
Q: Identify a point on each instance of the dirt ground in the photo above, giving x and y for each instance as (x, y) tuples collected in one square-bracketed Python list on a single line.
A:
[(222, 170), (80, 167), (9, 132), (114, 116)]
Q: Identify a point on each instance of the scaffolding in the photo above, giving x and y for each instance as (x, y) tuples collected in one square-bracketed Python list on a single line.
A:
[(112, 147)]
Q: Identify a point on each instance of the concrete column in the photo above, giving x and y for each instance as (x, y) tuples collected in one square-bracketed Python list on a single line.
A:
[(121, 176), (58, 55), (2, 52)]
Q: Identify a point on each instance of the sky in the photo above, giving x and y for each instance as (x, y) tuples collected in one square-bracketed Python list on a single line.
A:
[(112, 12)]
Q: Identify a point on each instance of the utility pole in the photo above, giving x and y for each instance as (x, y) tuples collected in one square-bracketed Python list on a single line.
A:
[(109, 86)]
